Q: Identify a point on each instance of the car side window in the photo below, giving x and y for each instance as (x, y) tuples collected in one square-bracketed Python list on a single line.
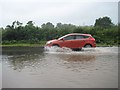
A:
[(69, 37), (86, 36), (79, 37)]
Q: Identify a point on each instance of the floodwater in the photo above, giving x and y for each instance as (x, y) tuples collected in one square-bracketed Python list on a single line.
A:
[(28, 67), (0, 77)]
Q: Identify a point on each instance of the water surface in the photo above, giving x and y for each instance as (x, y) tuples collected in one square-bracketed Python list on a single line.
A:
[(59, 68)]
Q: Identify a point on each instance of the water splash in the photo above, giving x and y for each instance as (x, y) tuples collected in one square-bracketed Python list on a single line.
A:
[(57, 49), (85, 51)]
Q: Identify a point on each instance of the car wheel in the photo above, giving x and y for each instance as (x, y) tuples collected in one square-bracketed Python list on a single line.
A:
[(88, 46)]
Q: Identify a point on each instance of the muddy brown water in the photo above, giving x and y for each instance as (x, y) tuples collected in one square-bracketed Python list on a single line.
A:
[(25, 67)]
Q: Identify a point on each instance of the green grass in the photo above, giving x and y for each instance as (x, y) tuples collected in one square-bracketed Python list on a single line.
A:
[(30, 45), (41, 44)]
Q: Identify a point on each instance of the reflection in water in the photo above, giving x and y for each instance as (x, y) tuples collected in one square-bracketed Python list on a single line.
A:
[(78, 62), (20, 58), (76, 58), (23, 61)]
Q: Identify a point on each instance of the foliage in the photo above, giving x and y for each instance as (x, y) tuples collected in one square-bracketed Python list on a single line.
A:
[(104, 22), (104, 31)]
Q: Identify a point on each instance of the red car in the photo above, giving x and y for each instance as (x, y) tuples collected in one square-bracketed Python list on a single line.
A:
[(73, 41)]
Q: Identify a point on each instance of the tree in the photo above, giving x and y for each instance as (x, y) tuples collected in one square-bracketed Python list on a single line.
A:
[(104, 22), (16, 24), (65, 28), (48, 26), (30, 23), (48, 31), (78, 30)]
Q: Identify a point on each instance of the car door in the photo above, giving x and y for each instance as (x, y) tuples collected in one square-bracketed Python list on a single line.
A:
[(79, 41), (68, 41)]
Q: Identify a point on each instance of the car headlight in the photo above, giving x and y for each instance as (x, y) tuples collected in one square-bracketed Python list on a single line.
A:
[(49, 42)]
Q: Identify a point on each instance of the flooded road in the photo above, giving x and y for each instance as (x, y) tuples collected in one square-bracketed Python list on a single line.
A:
[(59, 68)]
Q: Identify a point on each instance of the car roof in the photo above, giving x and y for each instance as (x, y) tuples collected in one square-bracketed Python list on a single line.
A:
[(78, 34), (75, 34)]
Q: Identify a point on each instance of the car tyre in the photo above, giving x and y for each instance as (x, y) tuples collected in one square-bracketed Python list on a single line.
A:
[(88, 46)]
